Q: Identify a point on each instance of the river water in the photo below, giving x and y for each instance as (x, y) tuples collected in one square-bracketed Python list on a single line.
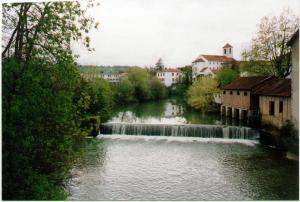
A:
[(133, 166)]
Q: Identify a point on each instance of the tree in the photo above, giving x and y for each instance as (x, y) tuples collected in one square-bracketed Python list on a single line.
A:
[(140, 80), (124, 92), (200, 94), (158, 90), (101, 98), (159, 65), (40, 119), (270, 45), (226, 76), (44, 30)]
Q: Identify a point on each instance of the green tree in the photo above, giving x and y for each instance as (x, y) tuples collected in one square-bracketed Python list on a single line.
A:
[(39, 129), (270, 45), (140, 80), (159, 65), (40, 123), (226, 76), (200, 94), (158, 90), (124, 92), (101, 98)]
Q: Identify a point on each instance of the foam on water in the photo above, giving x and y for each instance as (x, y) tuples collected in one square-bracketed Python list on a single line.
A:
[(180, 139)]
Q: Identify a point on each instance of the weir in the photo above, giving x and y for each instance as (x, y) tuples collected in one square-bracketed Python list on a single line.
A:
[(187, 130)]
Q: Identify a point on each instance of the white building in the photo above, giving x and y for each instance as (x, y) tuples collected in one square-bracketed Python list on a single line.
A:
[(294, 44), (113, 77), (207, 65), (169, 76)]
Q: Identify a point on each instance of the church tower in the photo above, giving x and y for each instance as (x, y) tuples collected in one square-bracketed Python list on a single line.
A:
[(228, 50)]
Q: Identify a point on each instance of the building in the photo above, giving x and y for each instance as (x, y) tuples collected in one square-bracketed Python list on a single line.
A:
[(237, 98), (267, 97), (207, 65), (274, 101), (294, 44), (169, 76), (111, 77)]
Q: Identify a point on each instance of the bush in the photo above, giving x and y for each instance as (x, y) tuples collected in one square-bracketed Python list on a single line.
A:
[(289, 139), (226, 76), (39, 129), (200, 94)]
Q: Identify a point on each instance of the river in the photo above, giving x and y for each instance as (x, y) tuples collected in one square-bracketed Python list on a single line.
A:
[(165, 151)]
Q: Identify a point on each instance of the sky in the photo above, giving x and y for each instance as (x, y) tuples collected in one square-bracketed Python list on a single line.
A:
[(139, 32)]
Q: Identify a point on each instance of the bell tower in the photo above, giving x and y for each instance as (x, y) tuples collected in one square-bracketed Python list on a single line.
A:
[(228, 50)]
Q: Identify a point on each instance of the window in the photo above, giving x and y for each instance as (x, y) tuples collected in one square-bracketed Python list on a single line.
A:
[(230, 92), (172, 74), (177, 74), (238, 92), (173, 79), (224, 92), (245, 93), (224, 51), (280, 106), (271, 108), (229, 50)]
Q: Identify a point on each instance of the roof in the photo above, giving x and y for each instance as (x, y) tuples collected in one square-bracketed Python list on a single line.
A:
[(245, 83), (274, 87), (227, 45), (203, 69), (170, 70), (219, 58), (198, 60), (293, 38)]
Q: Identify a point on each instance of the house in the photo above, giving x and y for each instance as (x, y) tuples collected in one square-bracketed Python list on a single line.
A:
[(268, 97), (274, 101), (237, 98), (207, 65), (169, 76), (294, 44)]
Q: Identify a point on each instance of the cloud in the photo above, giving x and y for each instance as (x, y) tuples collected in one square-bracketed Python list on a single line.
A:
[(138, 32)]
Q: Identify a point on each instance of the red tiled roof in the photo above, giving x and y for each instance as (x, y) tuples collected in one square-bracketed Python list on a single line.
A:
[(219, 58), (246, 83), (198, 60), (274, 87), (227, 45)]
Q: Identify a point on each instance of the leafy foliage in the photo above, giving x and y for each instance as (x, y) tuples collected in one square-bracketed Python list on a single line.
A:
[(269, 52), (124, 92), (40, 117), (200, 94), (39, 129), (226, 76), (45, 30)]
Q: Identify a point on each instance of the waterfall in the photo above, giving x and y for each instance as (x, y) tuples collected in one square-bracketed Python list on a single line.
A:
[(188, 130)]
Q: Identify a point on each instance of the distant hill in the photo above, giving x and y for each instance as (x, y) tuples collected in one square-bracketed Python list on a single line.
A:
[(104, 69)]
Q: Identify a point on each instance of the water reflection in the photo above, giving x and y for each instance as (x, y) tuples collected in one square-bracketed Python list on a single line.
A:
[(169, 112)]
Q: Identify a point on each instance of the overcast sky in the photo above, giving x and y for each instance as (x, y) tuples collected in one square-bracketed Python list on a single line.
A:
[(138, 32)]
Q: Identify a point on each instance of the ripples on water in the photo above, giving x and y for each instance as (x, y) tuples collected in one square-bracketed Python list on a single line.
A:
[(181, 168)]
